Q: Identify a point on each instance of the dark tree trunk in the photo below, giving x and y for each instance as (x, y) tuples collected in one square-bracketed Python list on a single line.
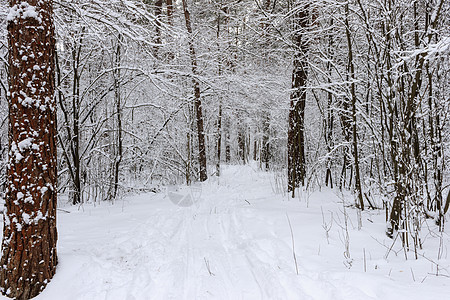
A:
[(447, 203), (197, 101), (227, 143), (219, 140), (241, 145), (219, 117), (170, 10), (351, 70), (72, 120), (330, 115), (265, 146), (406, 156), (296, 132), (76, 126), (29, 232), (158, 17), (117, 96), (346, 122), (255, 149)]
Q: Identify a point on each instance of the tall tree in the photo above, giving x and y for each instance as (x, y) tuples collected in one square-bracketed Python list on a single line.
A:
[(29, 235), (296, 132), (119, 139), (351, 75), (197, 101)]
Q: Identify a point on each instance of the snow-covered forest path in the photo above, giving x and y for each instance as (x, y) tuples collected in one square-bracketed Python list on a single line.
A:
[(234, 243)]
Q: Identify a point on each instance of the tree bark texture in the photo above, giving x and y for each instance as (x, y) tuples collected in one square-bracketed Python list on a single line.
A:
[(296, 131), (29, 233)]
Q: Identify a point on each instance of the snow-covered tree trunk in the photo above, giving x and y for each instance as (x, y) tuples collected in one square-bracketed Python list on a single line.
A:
[(351, 70), (29, 235), (117, 95), (296, 132)]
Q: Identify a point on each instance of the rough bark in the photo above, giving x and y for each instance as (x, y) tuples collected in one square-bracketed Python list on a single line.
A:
[(296, 131), (29, 233)]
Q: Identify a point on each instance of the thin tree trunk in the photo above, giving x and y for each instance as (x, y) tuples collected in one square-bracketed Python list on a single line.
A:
[(447, 203), (29, 233), (219, 117), (189, 158), (392, 118), (435, 133), (330, 116), (227, 142), (197, 101), (158, 16), (219, 139), (170, 10), (405, 185), (241, 144), (76, 125), (66, 121), (265, 147), (118, 157), (360, 202)]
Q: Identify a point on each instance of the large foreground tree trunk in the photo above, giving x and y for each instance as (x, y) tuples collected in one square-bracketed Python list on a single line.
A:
[(29, 233)]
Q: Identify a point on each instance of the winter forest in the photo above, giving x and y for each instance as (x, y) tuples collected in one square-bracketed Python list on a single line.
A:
[(225, 149)]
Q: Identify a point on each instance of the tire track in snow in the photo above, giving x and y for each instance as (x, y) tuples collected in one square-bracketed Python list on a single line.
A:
[(263, 272)]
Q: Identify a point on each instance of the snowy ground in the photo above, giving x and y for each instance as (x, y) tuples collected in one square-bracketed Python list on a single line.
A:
[(236, 243)]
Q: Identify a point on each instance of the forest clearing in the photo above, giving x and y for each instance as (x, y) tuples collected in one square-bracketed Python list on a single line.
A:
[(235, 243)]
